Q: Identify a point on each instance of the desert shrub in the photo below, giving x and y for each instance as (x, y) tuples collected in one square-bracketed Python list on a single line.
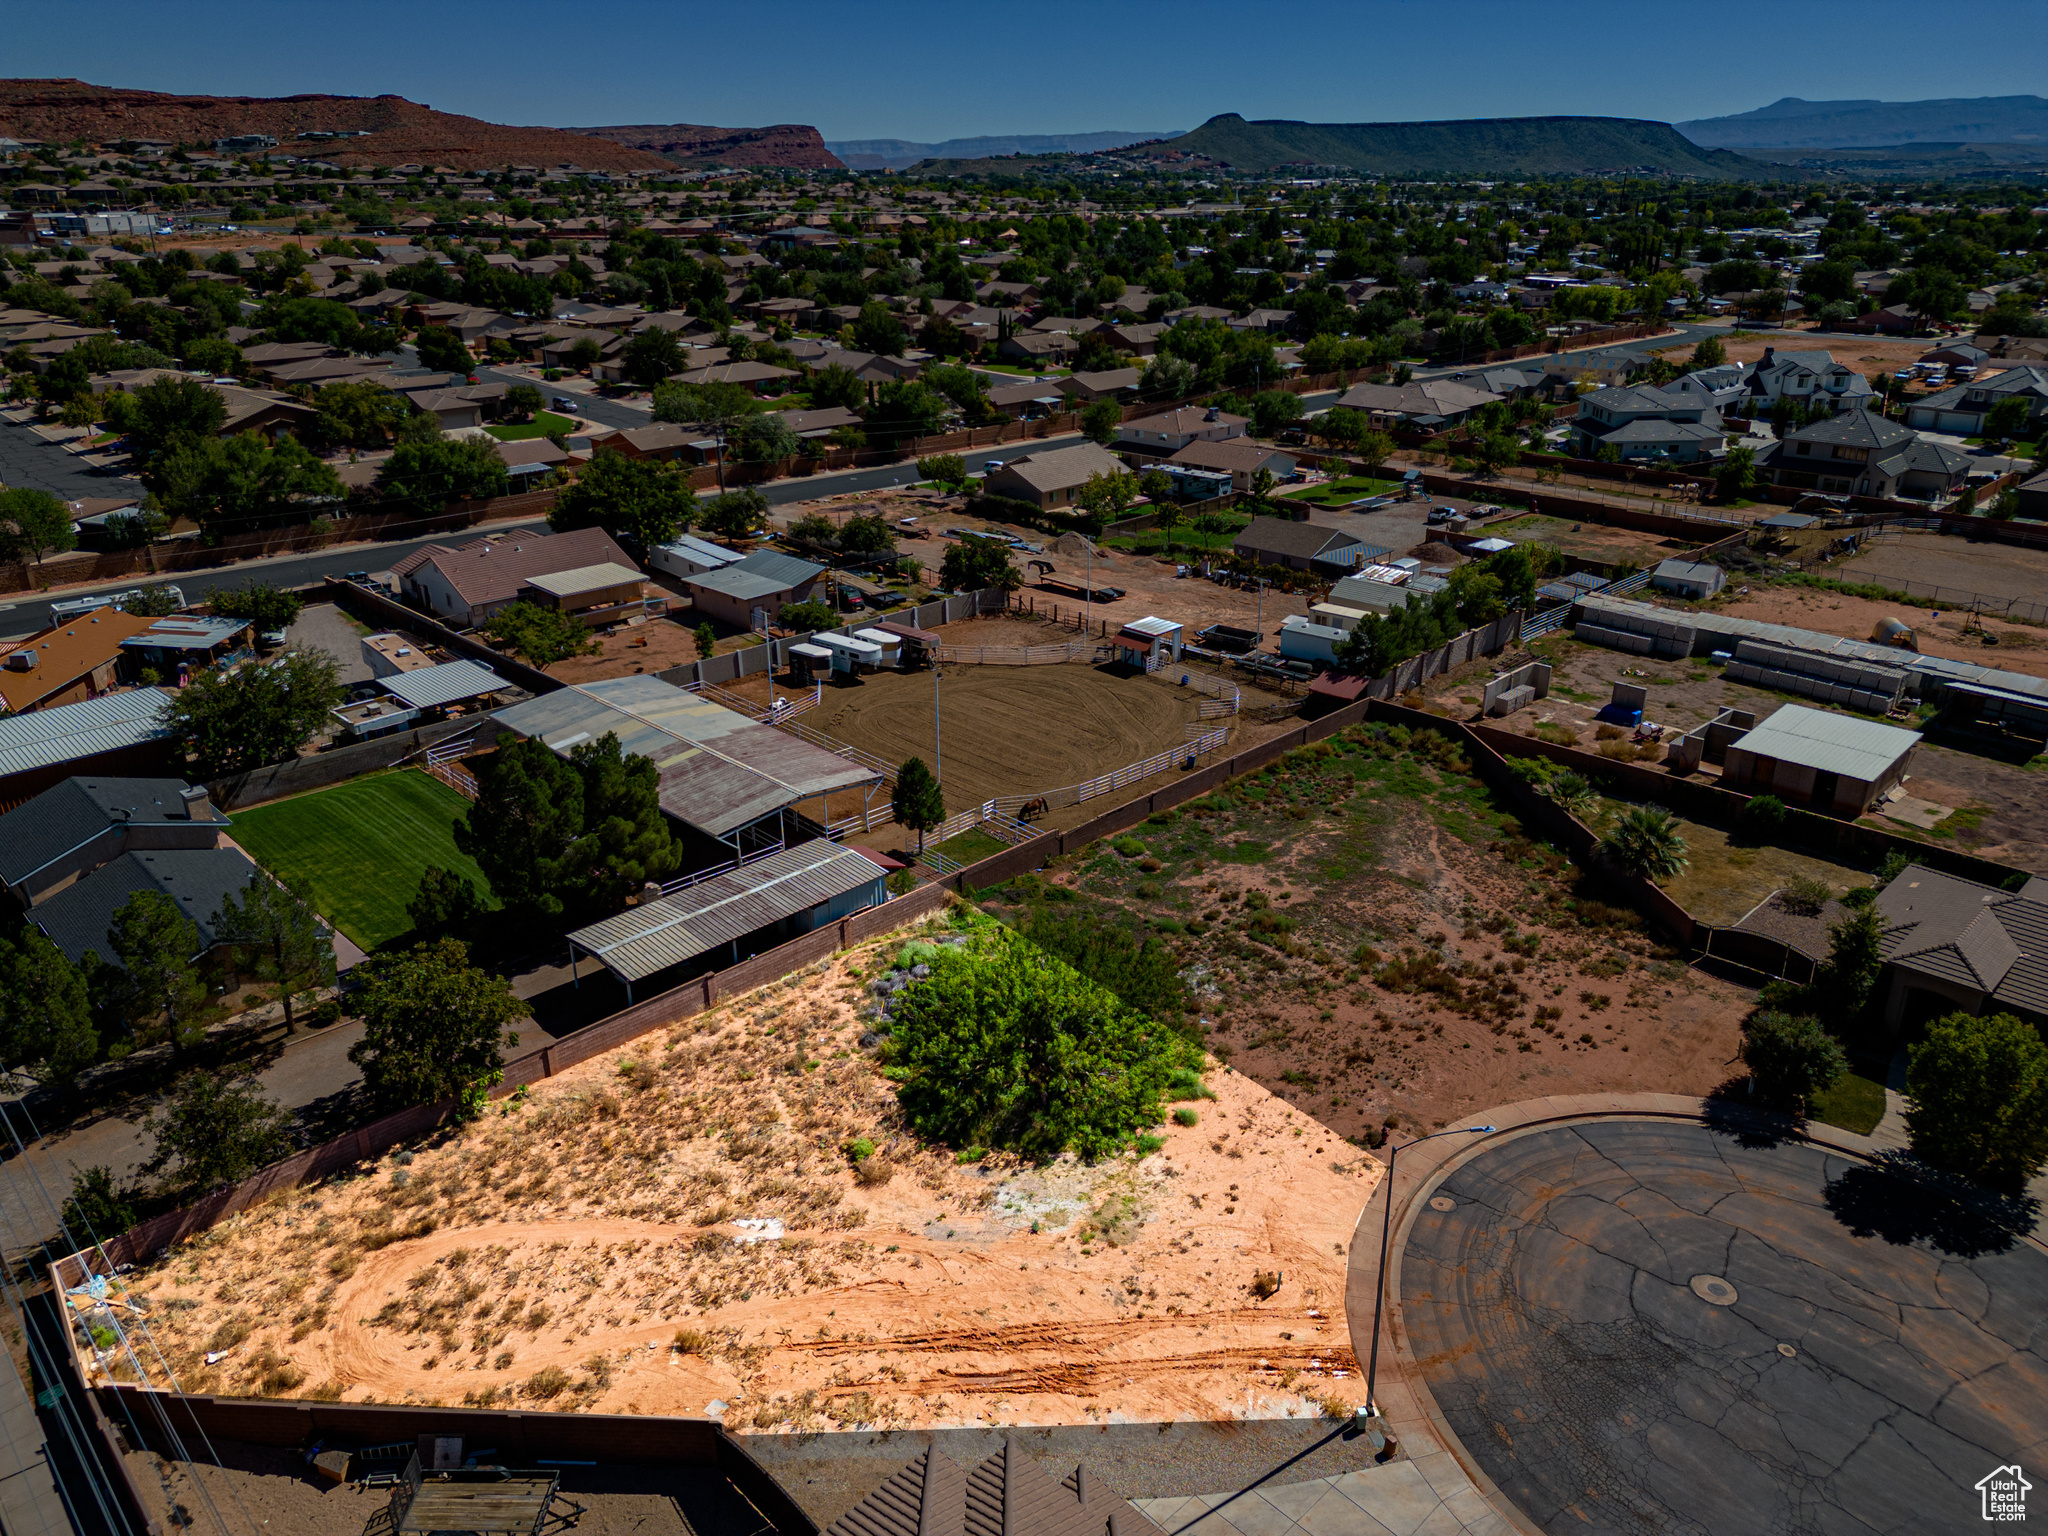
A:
[(1806, 896), (1186, 1083), (860, 1149), (1007, 1046), (550, 1381), (1185, 1117), (692, 1341), (638, 1073), (873, 1172)]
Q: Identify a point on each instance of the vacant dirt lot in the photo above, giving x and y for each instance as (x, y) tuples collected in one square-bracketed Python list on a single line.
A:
[(1868, 354), (2002, 571), (1010, 730), (1371, 935), (1592, 541), (598, 1244)]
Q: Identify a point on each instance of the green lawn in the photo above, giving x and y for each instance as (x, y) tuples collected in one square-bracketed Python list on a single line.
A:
[(359, 849), (970, 846), (543, 423), (1184, 540), (1855, 1104), (1350, 488)]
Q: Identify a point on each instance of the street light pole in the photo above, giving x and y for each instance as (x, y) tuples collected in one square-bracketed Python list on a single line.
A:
[(1379, 1288)]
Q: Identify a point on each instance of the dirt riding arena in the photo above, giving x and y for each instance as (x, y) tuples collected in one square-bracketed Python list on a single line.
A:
[(1010, 730), (1929, 560), (675, 1228)]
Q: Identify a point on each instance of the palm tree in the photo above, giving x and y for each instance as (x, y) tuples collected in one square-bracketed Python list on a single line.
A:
[(1574, 792), (1645, 841)]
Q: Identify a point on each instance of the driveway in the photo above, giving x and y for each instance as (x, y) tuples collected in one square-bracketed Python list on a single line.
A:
[(1659, 1327)]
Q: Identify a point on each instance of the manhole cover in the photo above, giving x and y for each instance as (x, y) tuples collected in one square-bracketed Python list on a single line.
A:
[(1714, 1289), (1787, 1351), (1443, 1203)]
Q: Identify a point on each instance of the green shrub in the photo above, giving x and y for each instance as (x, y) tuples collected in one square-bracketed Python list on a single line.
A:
[(1790, 1058), (1979, 1091), (1007, 1046), (859, 1150), (1764, 814), (1143, 972), (1806, 896), (1186, 1083), (1185, 1117)]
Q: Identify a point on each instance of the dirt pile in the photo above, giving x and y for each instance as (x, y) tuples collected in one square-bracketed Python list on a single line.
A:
[(678, 1227), (400, 132), (786, 145)]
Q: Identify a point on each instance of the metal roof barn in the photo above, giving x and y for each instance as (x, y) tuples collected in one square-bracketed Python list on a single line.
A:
[(1829, 743), (720, 771), (70, 731), (729, 908), (448, 683)]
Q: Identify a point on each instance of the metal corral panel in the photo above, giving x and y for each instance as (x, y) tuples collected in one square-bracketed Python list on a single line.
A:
[(1828, 743), (728, 908), (719, 769), (85, 729), (448, 683)]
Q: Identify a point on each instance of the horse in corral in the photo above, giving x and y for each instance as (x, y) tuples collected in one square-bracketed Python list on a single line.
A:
[(1031, 810)]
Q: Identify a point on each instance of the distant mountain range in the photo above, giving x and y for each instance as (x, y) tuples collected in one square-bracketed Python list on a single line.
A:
[(1795, 124), (793, 146), (900, 154), (1525, 146)]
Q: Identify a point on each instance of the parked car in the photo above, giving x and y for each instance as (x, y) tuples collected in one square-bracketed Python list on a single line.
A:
[(562, 403)]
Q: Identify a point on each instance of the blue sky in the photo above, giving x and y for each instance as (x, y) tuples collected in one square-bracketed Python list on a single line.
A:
[(926, 71)]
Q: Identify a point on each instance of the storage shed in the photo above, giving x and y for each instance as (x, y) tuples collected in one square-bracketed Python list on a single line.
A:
[(1146, 642), (1826, 762), (1688, 578)]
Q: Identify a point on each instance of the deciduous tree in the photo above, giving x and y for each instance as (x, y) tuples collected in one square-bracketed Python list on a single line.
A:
[(1978, 1092), (643, 503), (46, 1026), (434, 1027), (278, 939), (212, 1130), (542, 635), (231, 722), (156, 944)]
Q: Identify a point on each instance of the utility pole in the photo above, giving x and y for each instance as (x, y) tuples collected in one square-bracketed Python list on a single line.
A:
[(938, 749)]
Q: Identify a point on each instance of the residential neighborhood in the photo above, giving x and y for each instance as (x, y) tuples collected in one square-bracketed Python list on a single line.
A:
[(1281, 827)]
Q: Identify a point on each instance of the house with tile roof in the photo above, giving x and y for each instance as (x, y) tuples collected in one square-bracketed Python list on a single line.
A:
[(1951, 943)]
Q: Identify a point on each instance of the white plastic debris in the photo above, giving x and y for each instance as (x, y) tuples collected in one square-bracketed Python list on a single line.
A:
[(758, 1229)]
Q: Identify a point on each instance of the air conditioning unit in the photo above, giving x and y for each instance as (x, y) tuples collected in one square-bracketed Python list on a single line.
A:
[(21, 661)]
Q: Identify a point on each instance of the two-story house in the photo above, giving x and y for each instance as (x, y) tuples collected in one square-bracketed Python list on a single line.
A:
[(1645, 422), (1162, 436), (1859, 454), (1805, 378)]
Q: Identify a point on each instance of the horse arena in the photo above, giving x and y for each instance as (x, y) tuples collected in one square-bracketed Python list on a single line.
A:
[(1012, 730)]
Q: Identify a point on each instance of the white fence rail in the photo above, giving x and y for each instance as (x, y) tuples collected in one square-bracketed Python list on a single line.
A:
[(1022, 655), (1135, 773)]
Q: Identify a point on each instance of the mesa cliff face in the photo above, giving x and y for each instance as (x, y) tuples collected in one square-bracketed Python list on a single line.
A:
[(791, 146), (400, 132)]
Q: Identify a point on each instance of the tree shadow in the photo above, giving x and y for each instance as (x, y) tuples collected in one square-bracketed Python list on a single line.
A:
[(1900, 1199), (1729, 1111)]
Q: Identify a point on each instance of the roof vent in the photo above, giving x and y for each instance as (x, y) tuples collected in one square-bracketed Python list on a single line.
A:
[(1215, 413)]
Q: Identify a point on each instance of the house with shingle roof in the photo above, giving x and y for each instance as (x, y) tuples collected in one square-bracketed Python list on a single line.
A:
[(465, 584), (1856, 453), (1951, 943)]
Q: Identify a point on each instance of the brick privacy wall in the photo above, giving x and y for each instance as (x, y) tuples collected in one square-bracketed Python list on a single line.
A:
[(1563, 504)]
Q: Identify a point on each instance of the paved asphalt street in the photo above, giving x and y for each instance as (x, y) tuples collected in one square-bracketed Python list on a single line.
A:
[(1642, 1327)]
